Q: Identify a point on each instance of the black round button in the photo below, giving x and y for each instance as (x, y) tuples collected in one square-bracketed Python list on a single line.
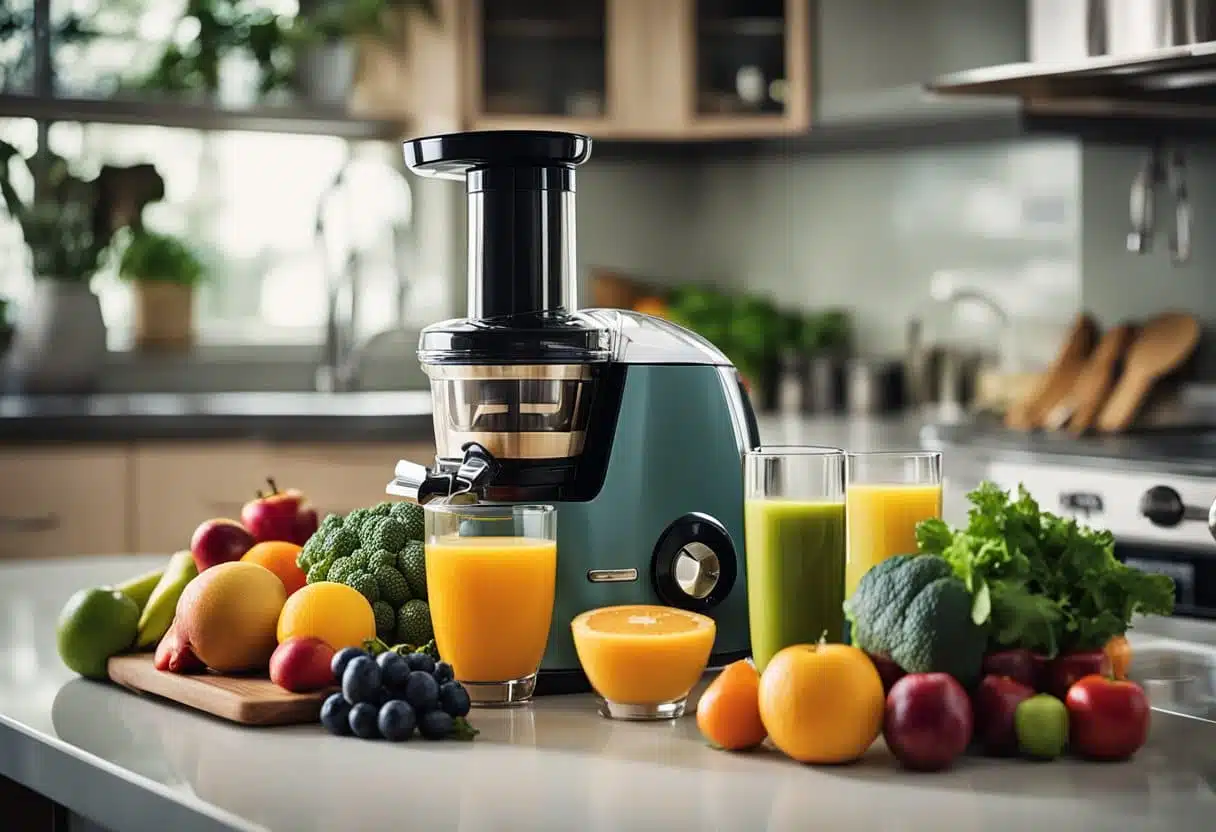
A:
[(694, 566), (1162, 506)]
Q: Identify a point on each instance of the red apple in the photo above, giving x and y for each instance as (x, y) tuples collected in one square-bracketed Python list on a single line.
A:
[(1107, 718), (219, 541), (928, 721), (1068, 668), (888, 671), (1042, 666), (302, 665), (280, 515), (1017, 664), (175, 656), (995, 702)]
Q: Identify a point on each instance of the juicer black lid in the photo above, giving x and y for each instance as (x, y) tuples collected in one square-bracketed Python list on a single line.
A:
[(538, 338), (522, 259)]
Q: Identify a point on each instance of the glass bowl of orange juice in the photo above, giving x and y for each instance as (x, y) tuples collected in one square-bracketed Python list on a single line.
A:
[(642, 659)]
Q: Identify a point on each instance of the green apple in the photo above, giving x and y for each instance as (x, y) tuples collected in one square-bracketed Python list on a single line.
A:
[(1041, 723)]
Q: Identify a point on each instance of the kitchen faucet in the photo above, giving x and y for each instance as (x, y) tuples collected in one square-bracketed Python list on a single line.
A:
[(342, 354), (1006, 352)]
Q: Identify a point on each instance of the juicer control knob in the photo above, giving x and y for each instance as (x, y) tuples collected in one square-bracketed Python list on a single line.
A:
[(694, 565)]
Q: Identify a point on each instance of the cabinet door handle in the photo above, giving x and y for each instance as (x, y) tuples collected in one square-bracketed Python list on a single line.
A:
[(45, 523)]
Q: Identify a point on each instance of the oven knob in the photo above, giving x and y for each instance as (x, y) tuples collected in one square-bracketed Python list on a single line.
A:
[(1163, 506)]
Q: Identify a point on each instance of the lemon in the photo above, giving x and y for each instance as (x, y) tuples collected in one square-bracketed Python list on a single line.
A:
[(335, 613), (94, 625)]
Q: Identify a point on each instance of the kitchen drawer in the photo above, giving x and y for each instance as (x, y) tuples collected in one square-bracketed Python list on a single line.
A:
[(178, 485), (57, 501), (340, 477)]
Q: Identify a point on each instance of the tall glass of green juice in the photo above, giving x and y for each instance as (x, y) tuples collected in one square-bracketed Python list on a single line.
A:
[(794, 528)]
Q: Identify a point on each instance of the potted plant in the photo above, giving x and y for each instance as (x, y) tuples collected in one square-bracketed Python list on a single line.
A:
[(326, 35), (163, 273), (60, 339)]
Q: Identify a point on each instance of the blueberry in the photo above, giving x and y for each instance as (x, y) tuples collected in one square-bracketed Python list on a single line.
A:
[(397, 721), (422, 691), (363, 721), (393, 670), (454, 699), (421, 661), (342, 658), (361, 680), (335, 713), (435, 725), (443, 672)]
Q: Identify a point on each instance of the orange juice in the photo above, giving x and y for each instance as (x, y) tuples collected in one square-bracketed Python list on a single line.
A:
[(881, 521), (491, 604), (643, 654)]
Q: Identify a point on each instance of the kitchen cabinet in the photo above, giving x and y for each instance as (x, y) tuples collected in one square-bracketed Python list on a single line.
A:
[(178, 485), (64, 499), (638, 69)]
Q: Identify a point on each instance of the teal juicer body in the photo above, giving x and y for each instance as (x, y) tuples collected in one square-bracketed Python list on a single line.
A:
[(631, 426)]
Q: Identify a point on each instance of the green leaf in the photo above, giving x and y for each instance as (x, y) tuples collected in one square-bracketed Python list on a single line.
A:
[(981, 604), (463, 730)]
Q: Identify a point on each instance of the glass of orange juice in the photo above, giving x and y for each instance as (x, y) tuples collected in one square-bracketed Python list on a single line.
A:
[(490, 574), (886, 495)]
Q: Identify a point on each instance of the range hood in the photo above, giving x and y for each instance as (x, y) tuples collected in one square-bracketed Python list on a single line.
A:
[(1135, 58)]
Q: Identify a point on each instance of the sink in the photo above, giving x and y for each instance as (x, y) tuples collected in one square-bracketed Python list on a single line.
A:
[(1181, 680)]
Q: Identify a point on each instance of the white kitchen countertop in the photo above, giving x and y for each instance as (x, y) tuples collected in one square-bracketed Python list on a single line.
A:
[(135, 763)]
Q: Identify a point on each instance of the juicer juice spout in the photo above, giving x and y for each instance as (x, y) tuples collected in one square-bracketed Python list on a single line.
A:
[(450, 478)]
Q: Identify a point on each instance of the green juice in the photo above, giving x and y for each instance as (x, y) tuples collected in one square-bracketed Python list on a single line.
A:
[(795, 573)]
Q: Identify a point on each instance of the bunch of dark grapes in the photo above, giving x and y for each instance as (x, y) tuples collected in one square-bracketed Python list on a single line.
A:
[(390, 696)]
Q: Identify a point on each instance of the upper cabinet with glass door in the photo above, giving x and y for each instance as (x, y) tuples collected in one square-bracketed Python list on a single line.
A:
[(537, 63), (643, 69), (751, 67)]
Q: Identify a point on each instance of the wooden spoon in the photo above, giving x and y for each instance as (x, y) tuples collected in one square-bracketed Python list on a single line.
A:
[(1058, 381), (1094, 384), (1161, 347)]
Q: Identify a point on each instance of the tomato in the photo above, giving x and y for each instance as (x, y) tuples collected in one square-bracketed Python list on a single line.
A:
[(1107, 718), (1119, 652)]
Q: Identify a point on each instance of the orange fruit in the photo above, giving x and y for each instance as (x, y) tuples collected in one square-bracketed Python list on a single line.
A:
[(279, 557), (821, 703), (651, 306), (729, 711), (1119, 656), (335, 613)]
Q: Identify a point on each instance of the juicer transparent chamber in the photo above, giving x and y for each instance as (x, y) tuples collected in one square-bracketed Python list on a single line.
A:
[(519, 412)]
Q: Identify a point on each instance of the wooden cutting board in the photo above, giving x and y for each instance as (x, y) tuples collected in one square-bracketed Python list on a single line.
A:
[(249, 700), (1094, 384)]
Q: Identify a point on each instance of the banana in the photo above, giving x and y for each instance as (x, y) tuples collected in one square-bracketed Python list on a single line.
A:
[(139, 589), (157, 615)]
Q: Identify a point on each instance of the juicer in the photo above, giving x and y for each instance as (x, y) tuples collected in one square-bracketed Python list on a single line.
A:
[(631, 426)]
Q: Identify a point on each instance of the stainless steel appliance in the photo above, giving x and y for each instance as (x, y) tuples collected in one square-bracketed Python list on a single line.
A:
[(1155, 494)]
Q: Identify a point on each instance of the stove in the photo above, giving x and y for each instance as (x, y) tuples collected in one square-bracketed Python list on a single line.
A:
[(1154, 491)]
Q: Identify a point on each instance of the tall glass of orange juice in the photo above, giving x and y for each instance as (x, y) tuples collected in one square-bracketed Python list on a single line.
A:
[(886, 495), (490, 575)]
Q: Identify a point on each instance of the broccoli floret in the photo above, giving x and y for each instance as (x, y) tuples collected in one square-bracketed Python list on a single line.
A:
[(362, 559), (341, 543), (913, 610), (389, 534), (381, 557), (414, 622), (412, 517), (393, 586), (355, 520), (369, 527), (386, 620), (319, 571), (331, 522), (339, 569), (412, 564), (364, 583), (382, 509)]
